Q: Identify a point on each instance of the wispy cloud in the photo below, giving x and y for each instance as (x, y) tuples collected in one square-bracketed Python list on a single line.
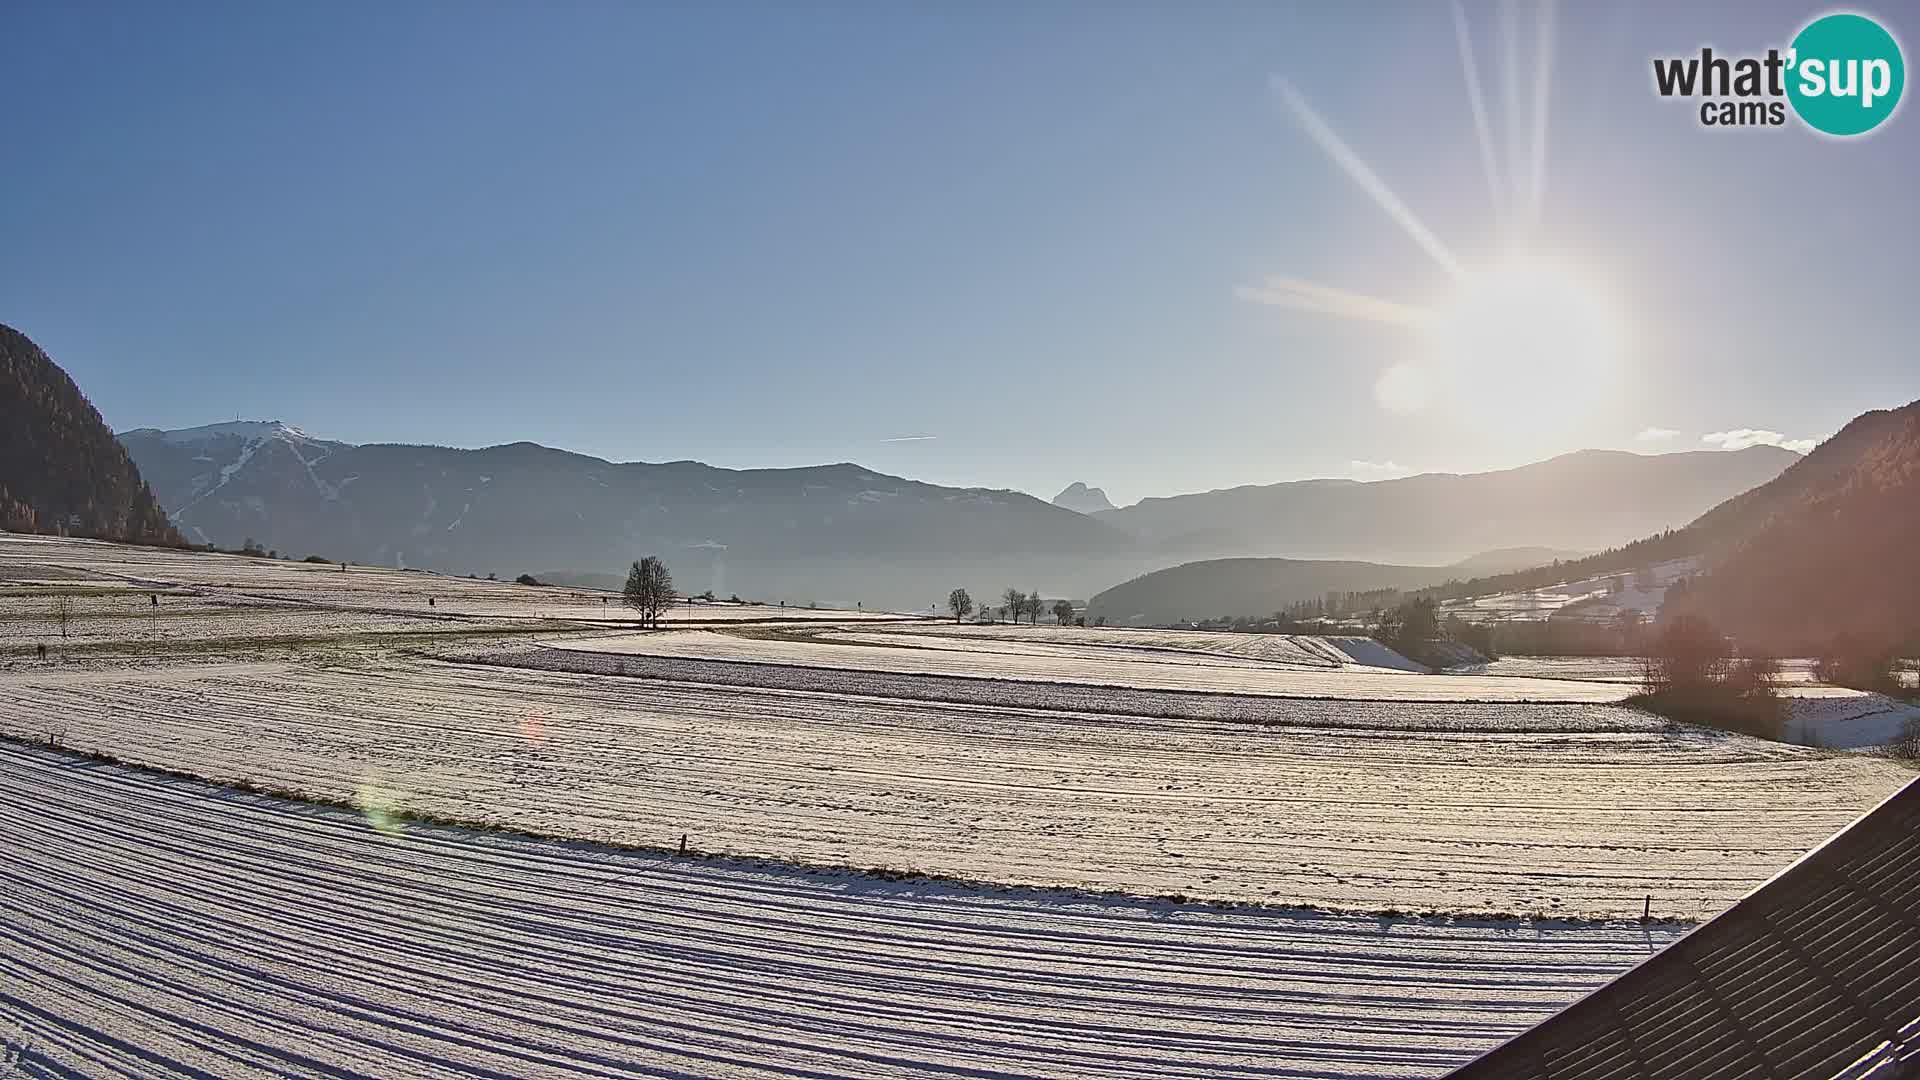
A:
[(911, 438), (1656, 434), (1376, 470), (1741, 438)]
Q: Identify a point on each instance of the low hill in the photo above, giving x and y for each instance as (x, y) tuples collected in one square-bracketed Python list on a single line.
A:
[(1507, 560), (60, 468), (1245, 588)]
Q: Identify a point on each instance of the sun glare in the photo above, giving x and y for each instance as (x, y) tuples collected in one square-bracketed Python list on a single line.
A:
[(1524, 328), (1523, 344)]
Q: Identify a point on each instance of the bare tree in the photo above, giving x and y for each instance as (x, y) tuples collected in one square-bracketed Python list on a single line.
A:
[(1034, 604), (62, 612), (649, 590), (960, 604), (1062, 611), (1014, 604)]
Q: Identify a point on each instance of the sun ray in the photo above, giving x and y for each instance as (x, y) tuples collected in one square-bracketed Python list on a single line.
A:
[(1542, 84), (1364, 176), (1302, 295), (1510, 82), (1477, 99)]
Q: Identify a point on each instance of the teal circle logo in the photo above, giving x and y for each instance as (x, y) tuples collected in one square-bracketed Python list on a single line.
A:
[(1845, 74)]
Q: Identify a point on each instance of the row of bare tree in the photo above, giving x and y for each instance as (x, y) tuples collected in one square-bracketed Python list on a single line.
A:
[(1014, 606)]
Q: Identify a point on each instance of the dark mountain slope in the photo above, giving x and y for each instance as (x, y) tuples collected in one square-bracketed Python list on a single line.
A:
[(1831, 547), (60, 468)]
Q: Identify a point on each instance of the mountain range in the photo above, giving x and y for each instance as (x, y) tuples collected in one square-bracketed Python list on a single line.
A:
[(1582, 501), (1822, 552), (60, 468), (829, 534), (846, 534)]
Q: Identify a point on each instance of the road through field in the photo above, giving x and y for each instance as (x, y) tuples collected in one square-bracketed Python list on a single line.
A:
[(160, 928), (1563, 809)]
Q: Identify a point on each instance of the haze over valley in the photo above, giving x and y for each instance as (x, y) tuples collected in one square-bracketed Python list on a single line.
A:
[(843, 534)]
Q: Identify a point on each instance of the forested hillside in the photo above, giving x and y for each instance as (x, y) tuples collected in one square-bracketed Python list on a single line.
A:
[(1831, 548), (60, 467)]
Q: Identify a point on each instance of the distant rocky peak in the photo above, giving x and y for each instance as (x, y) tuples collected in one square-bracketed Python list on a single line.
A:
[(1082, 499)]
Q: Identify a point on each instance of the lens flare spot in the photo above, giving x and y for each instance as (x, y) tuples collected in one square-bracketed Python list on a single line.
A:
[(379, 805)]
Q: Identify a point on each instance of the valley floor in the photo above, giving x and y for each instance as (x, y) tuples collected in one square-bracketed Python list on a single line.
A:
[(158, 928), (1047, 807), (1555, 809)]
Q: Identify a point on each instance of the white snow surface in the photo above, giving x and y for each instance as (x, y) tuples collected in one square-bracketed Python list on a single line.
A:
[(1843, 719), (241, 429), (1092, 664), (164, 929)]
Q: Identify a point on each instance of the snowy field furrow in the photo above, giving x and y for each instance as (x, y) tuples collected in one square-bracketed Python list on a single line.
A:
[(161, 928), (1561, 809), (1615, 669), (1094, 665)]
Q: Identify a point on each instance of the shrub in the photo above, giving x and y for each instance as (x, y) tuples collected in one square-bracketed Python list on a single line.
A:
[(527, 579), (1689, 674), (1850, 662)]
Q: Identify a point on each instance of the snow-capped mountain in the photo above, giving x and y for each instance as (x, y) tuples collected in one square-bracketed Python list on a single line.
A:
[(224, 476), (830, 533)]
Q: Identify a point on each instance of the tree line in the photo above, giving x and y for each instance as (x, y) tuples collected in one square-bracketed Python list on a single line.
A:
[(1014, 605)]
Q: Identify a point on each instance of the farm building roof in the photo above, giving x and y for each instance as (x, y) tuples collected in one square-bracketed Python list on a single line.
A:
[(1814, 974)]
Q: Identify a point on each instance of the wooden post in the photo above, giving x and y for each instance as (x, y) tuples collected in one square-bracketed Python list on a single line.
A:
[(1646, 913), (683, 843)]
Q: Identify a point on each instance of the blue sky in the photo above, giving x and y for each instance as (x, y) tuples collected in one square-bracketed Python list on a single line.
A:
[(781, 234)]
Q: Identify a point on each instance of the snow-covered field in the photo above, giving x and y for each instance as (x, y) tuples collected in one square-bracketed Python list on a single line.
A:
[(154, 927), (1848, 719), (34, 565), (97, 619), (1566, 809), (160, 929), (1092, 664), (1189, 646), (1615, 669)]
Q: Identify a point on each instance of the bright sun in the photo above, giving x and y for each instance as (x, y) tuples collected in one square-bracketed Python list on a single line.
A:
[(1523, 340), (1518, 346)]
